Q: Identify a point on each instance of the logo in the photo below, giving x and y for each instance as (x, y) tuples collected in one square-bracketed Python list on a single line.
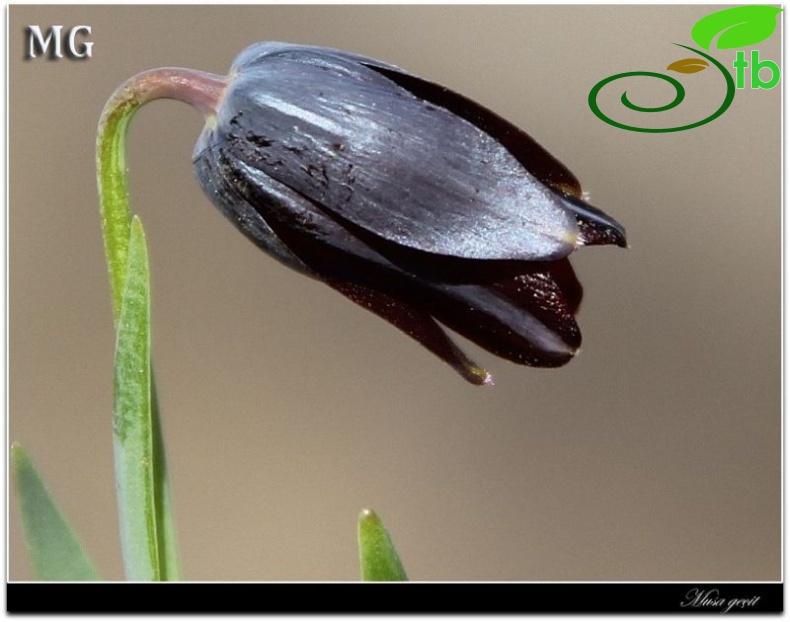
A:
[(39, 45), (735, 28)]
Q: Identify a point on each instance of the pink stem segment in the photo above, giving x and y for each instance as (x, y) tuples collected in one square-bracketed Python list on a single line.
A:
[(200, 89)]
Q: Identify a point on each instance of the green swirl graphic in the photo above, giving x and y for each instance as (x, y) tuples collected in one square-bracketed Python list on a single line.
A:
[(680, 93)]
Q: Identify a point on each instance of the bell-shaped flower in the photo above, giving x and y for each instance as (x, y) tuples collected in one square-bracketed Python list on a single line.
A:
[(411, 200)]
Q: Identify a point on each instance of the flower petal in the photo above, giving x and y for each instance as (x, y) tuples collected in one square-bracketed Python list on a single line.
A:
[(359, 145), (527, 318), (502, 328), (552, 293), (417, 325), (531, 155)]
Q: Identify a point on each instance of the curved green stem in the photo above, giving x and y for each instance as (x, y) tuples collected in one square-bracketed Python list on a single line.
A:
[(147, 524), (199, 89)]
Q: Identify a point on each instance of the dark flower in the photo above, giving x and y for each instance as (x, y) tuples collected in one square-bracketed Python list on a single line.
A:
[(409, 199)]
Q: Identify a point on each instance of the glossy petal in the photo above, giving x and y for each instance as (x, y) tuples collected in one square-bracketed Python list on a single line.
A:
[(350, 139), (534, 158), (525, 320)]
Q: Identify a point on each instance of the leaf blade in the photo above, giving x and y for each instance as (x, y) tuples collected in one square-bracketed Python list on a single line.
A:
[(169, 564), (378, 559), (132, 418), (56, 553)]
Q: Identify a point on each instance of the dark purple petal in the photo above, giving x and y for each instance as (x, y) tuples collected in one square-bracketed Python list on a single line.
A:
[(526, 318), (226, 188), (552, 294), (534, 158), (352, 140), (417, 325), (561, 272), (531, 155)]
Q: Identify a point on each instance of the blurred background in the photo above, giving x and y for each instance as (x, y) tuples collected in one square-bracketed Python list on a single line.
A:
[(654, 455)]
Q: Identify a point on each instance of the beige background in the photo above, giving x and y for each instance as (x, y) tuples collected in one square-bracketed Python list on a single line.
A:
[(655, 455)]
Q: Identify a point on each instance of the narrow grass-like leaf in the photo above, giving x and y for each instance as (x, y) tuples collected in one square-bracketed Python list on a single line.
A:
[(378, 559), (166, 530), (56, 554), (132, 423)]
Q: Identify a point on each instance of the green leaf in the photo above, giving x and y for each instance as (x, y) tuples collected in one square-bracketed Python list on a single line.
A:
[(739, 26), (56, 553), (132, 421), (166, 530), (378, 559)]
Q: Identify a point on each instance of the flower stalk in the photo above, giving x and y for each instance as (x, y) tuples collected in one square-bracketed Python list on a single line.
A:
[(144, 498), (199, 89)]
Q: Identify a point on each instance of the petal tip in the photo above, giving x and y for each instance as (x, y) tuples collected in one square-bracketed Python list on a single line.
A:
[(478, 376), (596, 227)]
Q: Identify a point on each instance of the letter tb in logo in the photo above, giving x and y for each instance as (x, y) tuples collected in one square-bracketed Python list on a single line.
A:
[(55, 40), (741, 64)]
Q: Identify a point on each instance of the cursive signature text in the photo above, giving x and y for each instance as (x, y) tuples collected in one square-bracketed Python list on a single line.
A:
[(699, 598)]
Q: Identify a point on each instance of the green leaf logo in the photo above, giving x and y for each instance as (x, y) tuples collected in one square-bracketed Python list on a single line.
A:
[(738, 27), (688, 65)]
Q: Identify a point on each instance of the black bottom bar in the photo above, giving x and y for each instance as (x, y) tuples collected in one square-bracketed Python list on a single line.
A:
[(395, 598)]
